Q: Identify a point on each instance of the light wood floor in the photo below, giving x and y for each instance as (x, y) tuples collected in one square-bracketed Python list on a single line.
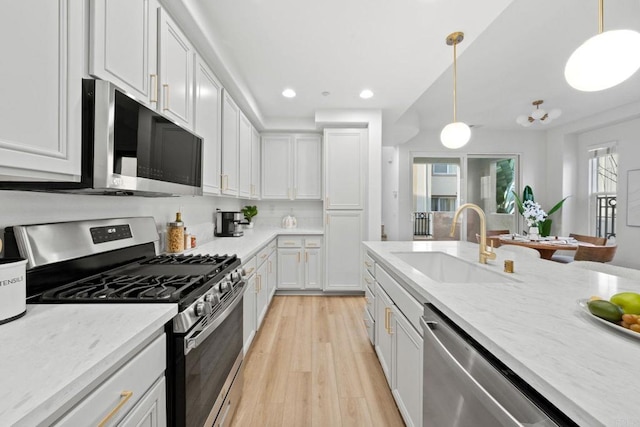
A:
[(311, 364)]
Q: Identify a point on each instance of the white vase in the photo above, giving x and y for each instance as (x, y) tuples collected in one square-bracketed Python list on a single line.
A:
[(534, 233)]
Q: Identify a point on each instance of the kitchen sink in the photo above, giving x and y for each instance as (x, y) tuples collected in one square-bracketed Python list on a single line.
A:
[(445, 268)]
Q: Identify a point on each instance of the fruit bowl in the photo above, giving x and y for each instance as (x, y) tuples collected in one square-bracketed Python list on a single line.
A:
[(582, 303)]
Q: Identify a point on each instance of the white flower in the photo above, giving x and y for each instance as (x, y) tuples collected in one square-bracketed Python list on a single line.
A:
[(533, 213)]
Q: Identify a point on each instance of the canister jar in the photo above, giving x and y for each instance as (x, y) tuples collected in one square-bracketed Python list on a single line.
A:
[(13, 289), (175, 236)]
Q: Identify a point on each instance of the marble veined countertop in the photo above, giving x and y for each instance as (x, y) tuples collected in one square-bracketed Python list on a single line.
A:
[(534, 325), (56, 353), (250, 243)]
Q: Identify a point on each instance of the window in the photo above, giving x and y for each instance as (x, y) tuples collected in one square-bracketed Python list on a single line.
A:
[(603, 174), (444, 169), (443, 204)]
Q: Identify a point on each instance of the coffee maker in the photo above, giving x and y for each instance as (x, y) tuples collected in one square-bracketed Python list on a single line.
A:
[(228, 224)]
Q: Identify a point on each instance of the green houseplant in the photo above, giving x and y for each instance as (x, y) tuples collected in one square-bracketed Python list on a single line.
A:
[(527, 195), (249, 212)]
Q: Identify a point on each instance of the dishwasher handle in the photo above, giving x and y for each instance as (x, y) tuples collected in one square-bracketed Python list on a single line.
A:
[(464, 378)]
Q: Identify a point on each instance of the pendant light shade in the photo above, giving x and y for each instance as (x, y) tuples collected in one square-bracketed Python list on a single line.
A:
[(605, 60), (455, 134)]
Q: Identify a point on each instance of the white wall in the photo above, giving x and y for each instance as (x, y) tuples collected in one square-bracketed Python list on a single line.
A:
[(567, 172), (529, 144), (22, 207)]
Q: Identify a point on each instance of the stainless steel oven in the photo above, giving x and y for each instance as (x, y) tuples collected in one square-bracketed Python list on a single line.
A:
[(207, 367)]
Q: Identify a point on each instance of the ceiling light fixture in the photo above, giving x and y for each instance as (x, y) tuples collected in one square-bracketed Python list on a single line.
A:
[(455, 134), (605, 60), (366, 94), (289, 93), (538, 115)]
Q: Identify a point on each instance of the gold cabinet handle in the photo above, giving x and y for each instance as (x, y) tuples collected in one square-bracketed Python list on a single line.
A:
[(154, 87), (263, 256), (327, 198), (250, 271), (306, 257), (328, 219), (166, 97), (257, 284), (289, 243), (295, 192), (366, 279), (387, 315), (124, 397), (298, 257), (367, 264), (270, 269)]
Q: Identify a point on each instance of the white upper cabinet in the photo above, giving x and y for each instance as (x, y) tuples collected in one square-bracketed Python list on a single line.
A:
[(40, 112), (208, 109), (244, 160), (291, 167), (230, 145), (124, 46), (345, 173), (255, 164), (176, 72)]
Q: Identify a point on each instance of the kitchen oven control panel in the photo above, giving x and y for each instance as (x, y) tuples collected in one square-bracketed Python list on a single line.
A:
[(110, 233)]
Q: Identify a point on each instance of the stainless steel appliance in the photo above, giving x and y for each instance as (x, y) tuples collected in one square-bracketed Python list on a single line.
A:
[(115, 261), (129, 149), (228, 224), (466, 386)]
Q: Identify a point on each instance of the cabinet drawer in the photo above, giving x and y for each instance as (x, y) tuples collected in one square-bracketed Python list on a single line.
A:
[(313, 242), (272, 245), (370, 298), (368, 280), (369, 264), (135, 377), (263, 254), (370, 325), (250, 267), (407, 304), (289, 242)]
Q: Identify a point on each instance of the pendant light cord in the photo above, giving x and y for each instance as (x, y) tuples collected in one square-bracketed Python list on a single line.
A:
[(455, 73), (601, 17)]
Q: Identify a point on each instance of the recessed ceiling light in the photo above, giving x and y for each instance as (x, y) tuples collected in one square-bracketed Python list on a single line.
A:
[(289, 93), (366, 94)]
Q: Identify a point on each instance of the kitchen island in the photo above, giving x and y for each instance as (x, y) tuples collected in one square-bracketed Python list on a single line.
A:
[(57, 353), (531, 321)]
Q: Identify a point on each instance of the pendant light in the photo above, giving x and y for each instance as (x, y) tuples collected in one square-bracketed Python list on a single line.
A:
[(455, 134), (605, 60)]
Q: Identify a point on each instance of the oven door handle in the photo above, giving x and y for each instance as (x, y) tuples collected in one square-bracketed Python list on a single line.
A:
[(197, 335)]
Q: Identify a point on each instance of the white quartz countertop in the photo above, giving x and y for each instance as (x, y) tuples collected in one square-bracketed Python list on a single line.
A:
[(59, 352), (248, 245), (534, 325)]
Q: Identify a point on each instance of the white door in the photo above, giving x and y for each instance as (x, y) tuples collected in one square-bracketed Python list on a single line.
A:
[(255, 164), (124, 46), (176, 56), (244, 158), (230, 145), (208, 98), (345, 169), (272, 277), (249, 323), (151, 410), (289, 268), (40, 90), (277, 160), (262, 295), (407, 369), (384, 337), (343, 239), (313, 268), (308, 167)]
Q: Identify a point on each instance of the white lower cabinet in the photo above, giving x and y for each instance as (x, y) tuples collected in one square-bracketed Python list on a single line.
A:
[(272, 276), (300, 264), (249, 325), (133, 396), (399, 346), (262, 296), (344, 235)]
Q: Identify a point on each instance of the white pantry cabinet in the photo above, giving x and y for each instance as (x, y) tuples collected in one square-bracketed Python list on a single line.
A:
[(292, 166), (344, 232), (255, 164), (133, 396), (124, 46), (176, 58), (43, 65), (300, 263), (230, 145), (244, 156), (345, 168), (208, 108)]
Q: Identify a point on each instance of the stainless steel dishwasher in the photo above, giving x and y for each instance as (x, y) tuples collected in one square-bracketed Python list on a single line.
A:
[(466, 386)]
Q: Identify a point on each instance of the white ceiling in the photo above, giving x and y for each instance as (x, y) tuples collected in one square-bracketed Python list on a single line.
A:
[(513, 53)]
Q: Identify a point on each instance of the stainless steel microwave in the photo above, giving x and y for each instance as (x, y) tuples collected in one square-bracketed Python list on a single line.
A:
[(129, 149)]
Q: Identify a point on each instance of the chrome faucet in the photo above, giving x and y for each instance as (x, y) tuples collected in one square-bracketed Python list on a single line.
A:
[(485, 252)]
